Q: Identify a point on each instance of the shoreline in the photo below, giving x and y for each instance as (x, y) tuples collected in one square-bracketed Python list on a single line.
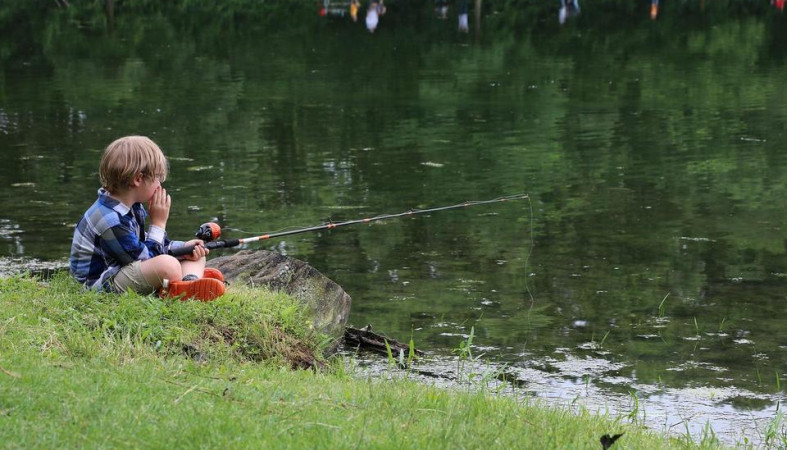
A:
[(143, 367)]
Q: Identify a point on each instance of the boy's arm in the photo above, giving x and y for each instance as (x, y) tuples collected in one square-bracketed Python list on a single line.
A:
[(157, 241), (121, 244)]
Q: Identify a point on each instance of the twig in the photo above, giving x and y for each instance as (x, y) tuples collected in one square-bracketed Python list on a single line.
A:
[(202, 391), (10, 374), (177, 400)]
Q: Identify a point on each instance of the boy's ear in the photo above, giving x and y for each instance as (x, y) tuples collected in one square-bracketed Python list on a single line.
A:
[(137, 181)]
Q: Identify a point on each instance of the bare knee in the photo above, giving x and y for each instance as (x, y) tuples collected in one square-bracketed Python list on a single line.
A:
[(160, 267)]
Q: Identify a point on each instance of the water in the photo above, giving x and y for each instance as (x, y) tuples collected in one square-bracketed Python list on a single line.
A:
[(649, 258)]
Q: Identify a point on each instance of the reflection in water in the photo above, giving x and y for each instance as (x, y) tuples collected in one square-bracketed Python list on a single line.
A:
[(373, 15), (343, 8), (462, 9), (441, 8), (568, 9), (354, 6), (10, 231), (339, 8), (377, 9)]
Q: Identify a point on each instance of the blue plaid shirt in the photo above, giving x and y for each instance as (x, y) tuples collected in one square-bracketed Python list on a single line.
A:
[(109, 236)]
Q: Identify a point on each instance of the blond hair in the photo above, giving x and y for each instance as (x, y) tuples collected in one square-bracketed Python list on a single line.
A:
[(128, 157)]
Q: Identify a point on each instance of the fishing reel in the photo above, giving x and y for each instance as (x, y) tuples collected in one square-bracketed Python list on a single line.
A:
[(209, 231)]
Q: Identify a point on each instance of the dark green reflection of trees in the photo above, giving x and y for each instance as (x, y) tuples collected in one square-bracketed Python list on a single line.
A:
[(654, 147), (129, 70)]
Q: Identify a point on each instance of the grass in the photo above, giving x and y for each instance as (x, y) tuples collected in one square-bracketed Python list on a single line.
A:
[(662, 308), (80, 369), (63, 321)]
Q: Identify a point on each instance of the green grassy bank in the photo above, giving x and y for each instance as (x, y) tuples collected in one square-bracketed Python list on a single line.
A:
[(93, 370)]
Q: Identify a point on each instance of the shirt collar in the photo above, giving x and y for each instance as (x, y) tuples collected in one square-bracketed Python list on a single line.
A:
[(106, 200)]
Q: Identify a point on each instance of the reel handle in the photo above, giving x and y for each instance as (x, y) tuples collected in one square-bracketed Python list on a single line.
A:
[(187, 249)]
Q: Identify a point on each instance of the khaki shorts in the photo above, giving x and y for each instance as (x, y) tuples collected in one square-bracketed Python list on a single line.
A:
[(130, 278)]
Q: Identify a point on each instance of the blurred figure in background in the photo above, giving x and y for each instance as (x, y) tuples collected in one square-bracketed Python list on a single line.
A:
[(376, 9), (654, 9), (568, 8), (441, 8), (354, 5), (462, 9)]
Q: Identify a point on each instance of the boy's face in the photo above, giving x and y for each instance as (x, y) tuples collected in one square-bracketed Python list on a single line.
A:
[(147, 187)]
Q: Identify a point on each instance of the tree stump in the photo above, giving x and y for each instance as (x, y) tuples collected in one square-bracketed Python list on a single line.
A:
[(326, 301)]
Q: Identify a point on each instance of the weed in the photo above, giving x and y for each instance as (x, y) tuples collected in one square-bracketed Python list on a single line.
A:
[(633, 415), (601, 344), (662, 309), (464, 352), (775, 433), (709, 439), (389, 352), (411, 352)]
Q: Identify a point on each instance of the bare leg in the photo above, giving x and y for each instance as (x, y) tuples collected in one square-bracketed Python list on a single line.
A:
[(193, 267), (156, 269)]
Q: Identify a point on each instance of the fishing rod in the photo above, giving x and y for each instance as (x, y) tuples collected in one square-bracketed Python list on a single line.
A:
[(211, 231)]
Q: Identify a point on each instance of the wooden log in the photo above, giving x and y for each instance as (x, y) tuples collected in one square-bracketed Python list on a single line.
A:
[(365, 338)]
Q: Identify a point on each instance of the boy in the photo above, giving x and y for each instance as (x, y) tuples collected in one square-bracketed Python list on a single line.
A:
[(110, 250)]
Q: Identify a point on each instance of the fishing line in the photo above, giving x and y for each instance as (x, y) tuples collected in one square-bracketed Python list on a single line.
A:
[(393, 215), (527, 260), (210, 231)]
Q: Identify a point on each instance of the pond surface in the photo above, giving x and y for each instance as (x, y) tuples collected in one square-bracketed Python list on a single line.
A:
[(649, 260)]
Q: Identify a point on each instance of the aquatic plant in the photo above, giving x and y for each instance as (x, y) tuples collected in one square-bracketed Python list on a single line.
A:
[(464, 352), (662, 309), (633, 415)]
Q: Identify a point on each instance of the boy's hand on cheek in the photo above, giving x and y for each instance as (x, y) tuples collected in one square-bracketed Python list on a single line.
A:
[(158, 208)]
